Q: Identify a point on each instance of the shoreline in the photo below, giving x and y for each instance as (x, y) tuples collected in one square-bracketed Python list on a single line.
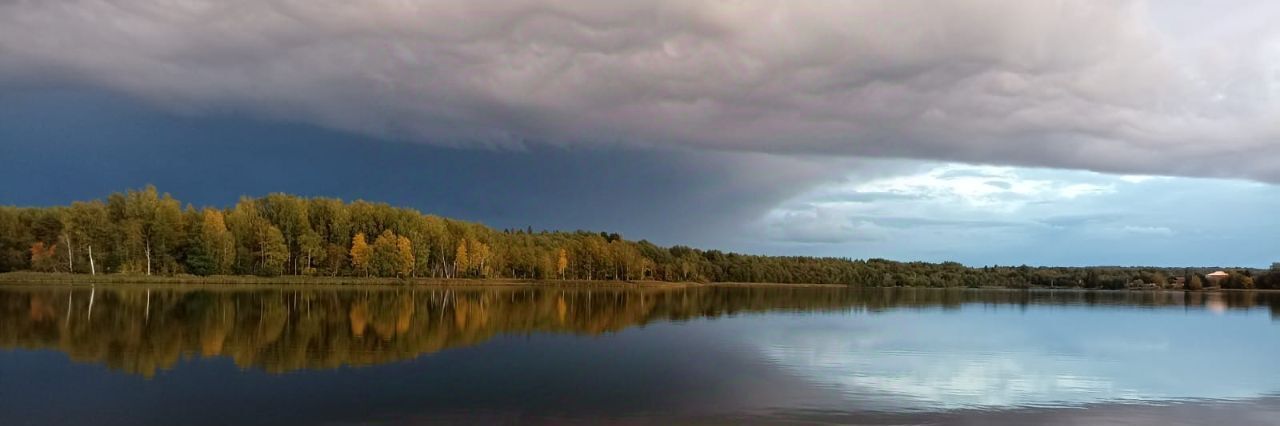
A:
[(54, 278)]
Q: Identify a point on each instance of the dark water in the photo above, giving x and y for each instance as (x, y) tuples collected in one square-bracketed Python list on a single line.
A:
[(717, 355)]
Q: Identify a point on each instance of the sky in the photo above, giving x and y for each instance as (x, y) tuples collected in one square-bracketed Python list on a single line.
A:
[(985, 132)]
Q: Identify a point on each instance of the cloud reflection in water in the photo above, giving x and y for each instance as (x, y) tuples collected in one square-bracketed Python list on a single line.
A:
[(980, 357)]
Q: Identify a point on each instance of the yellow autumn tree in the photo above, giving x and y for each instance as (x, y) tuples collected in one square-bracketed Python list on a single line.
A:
[(562, 263), (217, 242), (360, 253), (460, 261), (478, 257), (404, 255)]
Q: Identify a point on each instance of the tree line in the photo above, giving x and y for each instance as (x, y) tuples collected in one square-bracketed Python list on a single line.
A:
[(146, 232)]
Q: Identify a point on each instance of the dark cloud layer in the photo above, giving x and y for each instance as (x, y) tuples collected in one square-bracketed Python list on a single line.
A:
[(1127, 86), (71, 145)]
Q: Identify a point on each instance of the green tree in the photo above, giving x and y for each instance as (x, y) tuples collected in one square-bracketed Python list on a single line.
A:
[(1238, 280), (199, 261), (274, 253), (439, 243), (153, 229), (260, 247), (329, 218), (385, 260), (313, 252), (1195, 283), (289, 214), (90, 230), (15, 240)]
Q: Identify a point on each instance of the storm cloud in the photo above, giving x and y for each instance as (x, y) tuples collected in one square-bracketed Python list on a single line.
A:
[(58, 146), (1123, 86)]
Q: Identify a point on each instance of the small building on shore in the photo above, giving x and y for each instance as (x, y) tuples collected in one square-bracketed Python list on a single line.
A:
[(1216, 278)]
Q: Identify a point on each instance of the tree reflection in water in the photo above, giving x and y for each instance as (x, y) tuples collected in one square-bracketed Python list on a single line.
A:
[(143, 330)]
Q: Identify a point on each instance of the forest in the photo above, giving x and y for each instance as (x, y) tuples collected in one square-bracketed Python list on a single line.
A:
[(145, 232)]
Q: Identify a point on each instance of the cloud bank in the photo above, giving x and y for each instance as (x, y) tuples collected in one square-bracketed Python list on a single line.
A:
[(1127, 86), (974, 214)]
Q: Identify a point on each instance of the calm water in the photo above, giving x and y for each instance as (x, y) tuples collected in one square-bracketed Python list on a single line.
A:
[(714, 355)]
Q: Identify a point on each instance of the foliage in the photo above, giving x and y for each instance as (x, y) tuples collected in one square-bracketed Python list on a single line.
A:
[(361, 253), (141, 231), (1195, 283), (44, 258)]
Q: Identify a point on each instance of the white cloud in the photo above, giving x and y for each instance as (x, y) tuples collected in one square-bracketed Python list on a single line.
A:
[(1148, 230), (990, 188), (989, 214), (947, 195), (1118, 86)]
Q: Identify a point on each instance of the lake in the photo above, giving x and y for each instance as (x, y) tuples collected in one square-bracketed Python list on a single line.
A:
[(130, 355)]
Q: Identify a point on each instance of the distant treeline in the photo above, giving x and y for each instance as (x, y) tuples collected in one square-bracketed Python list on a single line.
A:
[(146, 232)]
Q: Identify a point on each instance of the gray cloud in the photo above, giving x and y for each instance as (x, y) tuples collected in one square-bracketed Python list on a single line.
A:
[(1075, 220), (822, 228), (920, 222), (1124, 86)]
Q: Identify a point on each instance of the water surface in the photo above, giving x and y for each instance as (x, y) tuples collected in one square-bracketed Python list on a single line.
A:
[(719, 355)]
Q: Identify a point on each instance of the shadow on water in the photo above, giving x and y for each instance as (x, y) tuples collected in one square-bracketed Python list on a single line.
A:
[(141, 331)]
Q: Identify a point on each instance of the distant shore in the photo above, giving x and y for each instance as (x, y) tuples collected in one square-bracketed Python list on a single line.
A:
[(55, 278)]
